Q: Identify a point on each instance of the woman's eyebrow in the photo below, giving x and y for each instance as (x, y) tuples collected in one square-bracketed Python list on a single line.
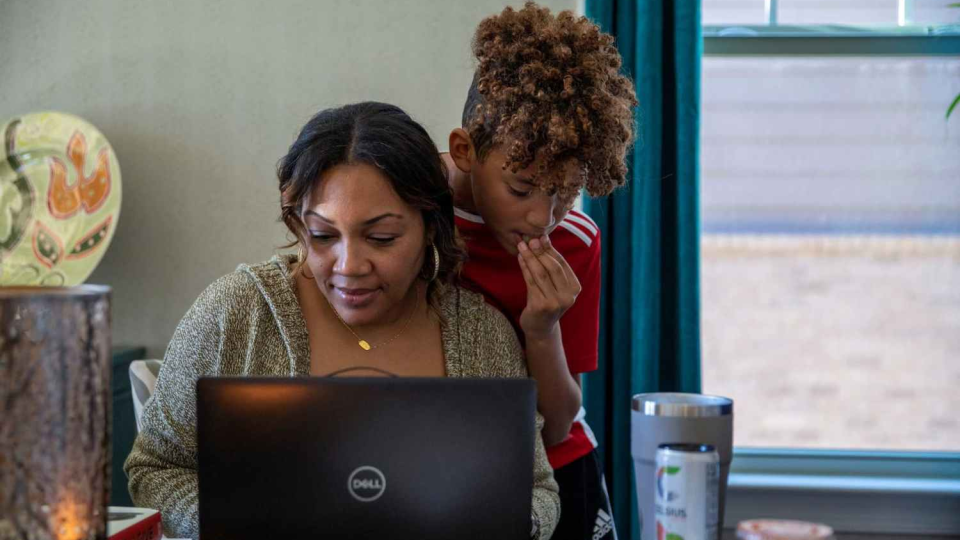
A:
[(370, 221)]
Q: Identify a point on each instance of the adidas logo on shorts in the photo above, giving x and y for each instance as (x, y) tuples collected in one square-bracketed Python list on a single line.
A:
[(603, 525)]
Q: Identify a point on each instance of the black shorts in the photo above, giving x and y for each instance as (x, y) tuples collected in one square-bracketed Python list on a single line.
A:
[(584, 504)]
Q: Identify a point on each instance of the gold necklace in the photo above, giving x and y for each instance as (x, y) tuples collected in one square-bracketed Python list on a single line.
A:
[(362, 342)]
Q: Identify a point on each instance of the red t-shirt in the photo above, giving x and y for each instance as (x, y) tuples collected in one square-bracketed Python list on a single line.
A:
[(495, 273)]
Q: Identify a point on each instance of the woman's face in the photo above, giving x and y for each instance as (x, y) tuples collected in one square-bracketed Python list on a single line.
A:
[(365, 245)]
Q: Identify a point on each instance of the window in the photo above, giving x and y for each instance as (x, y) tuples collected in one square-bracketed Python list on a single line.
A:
[(830, 204), (830, 211)]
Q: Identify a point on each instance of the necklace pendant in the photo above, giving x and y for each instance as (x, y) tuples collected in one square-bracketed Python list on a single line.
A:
[(364, 345)]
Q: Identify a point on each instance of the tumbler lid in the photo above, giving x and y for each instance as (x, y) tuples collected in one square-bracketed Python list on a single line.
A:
[(679, 404), (689, 448)]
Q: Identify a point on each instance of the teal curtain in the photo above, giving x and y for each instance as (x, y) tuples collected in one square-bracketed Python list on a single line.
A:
[(650, 302)]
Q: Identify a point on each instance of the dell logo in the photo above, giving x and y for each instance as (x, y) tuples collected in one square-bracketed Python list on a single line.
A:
[(366, 484)]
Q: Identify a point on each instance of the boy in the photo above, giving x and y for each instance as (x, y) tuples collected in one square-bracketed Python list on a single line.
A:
[(547, 114)]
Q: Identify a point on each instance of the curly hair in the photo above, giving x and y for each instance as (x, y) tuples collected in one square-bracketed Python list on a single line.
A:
[(385, 137), (549, 87)]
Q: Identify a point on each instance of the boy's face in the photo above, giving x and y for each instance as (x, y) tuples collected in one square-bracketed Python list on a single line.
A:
[(511, 205)]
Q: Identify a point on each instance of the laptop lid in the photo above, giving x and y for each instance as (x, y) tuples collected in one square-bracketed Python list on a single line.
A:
[(435, 458)]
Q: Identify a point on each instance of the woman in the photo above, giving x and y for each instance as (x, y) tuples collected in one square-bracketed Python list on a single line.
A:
[(372, 289)]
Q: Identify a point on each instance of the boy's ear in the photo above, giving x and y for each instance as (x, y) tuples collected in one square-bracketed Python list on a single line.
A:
[(461, 150)]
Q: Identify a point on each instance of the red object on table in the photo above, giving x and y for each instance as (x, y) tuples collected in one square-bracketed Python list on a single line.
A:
[(126, 523)]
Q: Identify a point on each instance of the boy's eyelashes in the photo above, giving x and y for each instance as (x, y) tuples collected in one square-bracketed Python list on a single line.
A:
[(518, 193)]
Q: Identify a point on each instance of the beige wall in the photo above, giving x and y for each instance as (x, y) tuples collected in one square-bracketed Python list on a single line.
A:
[(200, 98)]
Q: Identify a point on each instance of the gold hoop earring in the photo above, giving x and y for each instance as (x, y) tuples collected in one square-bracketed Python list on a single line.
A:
[(436, 262)]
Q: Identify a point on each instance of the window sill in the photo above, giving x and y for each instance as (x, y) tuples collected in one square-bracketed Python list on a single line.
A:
[(731, 534), (847, 484), (853, 492)]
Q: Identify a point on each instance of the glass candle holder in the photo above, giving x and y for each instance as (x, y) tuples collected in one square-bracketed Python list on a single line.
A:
[(55, 403)]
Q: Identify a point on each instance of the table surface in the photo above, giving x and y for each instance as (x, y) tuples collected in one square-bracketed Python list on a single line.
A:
[(731, 534)]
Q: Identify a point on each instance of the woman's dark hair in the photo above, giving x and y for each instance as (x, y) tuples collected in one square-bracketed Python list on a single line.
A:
[(384, 137)]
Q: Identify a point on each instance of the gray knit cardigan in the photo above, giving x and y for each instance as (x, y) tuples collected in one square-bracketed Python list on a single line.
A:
[(249, 323)]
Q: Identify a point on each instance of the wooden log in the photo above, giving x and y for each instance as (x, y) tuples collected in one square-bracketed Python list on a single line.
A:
[(55, 403)]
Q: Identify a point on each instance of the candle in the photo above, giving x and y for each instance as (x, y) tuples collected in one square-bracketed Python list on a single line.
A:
[(70, 518)]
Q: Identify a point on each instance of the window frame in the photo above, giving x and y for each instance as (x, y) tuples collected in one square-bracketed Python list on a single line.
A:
[(831, 40), (855, 491)]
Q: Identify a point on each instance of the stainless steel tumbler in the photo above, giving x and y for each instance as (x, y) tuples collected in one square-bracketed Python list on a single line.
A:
[(663, 418)]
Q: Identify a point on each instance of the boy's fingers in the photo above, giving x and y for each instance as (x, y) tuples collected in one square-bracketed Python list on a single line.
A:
[(548, 247), (568, 286), (527, 277), (532, 287), (539, 272), (554, 270), (566, 276)]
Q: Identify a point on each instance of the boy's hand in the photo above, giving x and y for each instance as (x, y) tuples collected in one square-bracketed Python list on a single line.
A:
[(552, 287)]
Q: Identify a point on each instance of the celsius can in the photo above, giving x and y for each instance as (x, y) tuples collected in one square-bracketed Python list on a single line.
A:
[(687, 491)]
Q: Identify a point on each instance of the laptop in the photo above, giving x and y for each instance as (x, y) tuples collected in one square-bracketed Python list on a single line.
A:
[(424, 458)]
